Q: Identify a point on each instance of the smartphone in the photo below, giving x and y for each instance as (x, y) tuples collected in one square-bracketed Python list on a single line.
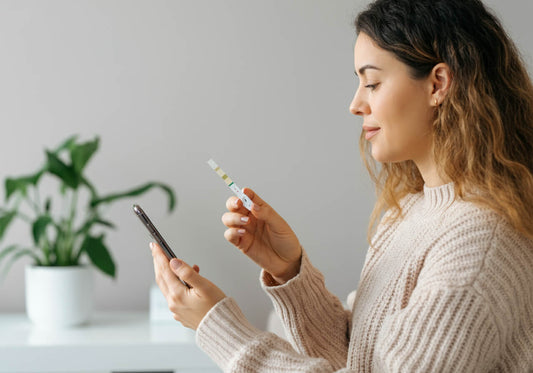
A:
[(156, 235)]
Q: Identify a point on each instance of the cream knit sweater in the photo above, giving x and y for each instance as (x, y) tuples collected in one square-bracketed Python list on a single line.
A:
[(449, 288)]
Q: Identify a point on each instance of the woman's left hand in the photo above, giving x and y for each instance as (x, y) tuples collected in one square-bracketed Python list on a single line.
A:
[(189, 305)]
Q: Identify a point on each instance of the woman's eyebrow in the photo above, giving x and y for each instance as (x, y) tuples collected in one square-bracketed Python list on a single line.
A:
[(364, 68)]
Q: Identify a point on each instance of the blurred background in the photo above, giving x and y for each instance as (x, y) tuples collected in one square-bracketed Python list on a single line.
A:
[(262, 87)]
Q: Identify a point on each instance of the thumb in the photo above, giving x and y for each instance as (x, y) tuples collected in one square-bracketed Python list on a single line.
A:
[(186, 272), (263, 211)]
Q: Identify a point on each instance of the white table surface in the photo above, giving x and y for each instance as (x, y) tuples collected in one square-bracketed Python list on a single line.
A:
[(111, 342)]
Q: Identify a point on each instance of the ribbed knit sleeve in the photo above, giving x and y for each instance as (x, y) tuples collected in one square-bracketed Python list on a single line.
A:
[(236, 346), (314, 320)]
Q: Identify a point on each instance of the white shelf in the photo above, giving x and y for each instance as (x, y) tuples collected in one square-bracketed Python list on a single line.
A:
[(112, 341)]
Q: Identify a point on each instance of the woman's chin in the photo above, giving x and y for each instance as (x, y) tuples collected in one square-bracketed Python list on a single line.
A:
[(378, 156), (384, 157)]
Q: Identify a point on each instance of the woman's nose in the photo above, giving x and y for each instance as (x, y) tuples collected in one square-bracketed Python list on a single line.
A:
[(358, 106)]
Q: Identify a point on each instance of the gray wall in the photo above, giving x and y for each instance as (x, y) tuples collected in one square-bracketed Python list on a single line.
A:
[(263, 87)]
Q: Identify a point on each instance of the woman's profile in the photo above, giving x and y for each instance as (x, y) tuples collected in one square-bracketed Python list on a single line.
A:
[(447, 285)]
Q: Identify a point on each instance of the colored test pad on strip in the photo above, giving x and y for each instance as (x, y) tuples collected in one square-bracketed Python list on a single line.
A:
[(246, 201)]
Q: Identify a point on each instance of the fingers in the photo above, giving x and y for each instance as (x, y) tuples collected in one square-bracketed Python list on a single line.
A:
[(253, 196), (239, 237), (234, 235), (188, 304), (234, 219), (262, 211), (234, 204), (161, 268), (187, 274), (259, 207), (238, 225), (164, 275)]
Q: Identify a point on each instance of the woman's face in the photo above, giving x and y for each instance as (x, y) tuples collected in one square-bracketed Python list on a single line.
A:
[(397, 110)]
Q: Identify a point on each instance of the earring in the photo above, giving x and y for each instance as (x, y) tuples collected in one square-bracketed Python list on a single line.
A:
[(436, 102)]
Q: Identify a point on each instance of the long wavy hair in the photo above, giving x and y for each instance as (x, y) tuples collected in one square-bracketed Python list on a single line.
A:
[(483, 130)]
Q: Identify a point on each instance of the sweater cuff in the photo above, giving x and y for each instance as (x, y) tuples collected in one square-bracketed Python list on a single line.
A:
[(290, 294), (224, 331)]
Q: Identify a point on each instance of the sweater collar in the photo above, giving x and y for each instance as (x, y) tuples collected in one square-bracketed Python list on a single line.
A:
[(438, 198)]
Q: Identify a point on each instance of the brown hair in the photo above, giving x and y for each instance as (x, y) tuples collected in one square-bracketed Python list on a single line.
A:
[(483, 131)]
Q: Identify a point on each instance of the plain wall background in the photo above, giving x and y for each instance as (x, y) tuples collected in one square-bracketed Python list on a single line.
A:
[(262, 87)]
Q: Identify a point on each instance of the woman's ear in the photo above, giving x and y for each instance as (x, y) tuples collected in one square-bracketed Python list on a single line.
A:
[(441, 80)]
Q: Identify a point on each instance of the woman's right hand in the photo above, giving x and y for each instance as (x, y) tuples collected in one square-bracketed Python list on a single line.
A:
[(263, 236)]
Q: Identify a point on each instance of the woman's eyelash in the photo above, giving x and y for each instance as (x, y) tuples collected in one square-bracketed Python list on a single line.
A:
[(372, 86)]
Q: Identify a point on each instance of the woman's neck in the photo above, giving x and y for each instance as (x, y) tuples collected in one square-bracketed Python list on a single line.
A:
[(430, 173)]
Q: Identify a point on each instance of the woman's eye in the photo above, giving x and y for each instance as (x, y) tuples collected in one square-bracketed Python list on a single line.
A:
[(372, 86)]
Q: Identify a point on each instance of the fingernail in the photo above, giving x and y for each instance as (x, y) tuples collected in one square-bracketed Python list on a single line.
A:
[(245, 219), (241, 232), (236, 203), (152, 245), (256, 207), (175, 263)]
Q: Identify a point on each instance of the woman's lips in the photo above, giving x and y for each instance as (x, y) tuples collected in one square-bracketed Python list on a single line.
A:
[(371, 131)]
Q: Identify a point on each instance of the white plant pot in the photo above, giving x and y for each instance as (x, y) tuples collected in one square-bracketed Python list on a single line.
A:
[(59, 297)]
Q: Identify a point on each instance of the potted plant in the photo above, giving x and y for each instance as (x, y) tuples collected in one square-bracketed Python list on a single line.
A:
[(63, 240)]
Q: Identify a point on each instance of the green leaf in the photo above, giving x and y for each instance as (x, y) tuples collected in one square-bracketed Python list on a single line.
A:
[(6, 251), (105, 223), (66, 173), (66, 145), (39, 227), (5, 220), (19, 252), (63, 188), (92, 189), (137, 192), (21, 184), (95, 220), (80, 154), (99, 254)]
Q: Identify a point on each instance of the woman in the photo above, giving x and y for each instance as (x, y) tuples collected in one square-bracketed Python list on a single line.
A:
[(447, 284)]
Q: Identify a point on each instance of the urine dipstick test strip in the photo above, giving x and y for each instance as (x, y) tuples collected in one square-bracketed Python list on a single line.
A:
[(246, 201)]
